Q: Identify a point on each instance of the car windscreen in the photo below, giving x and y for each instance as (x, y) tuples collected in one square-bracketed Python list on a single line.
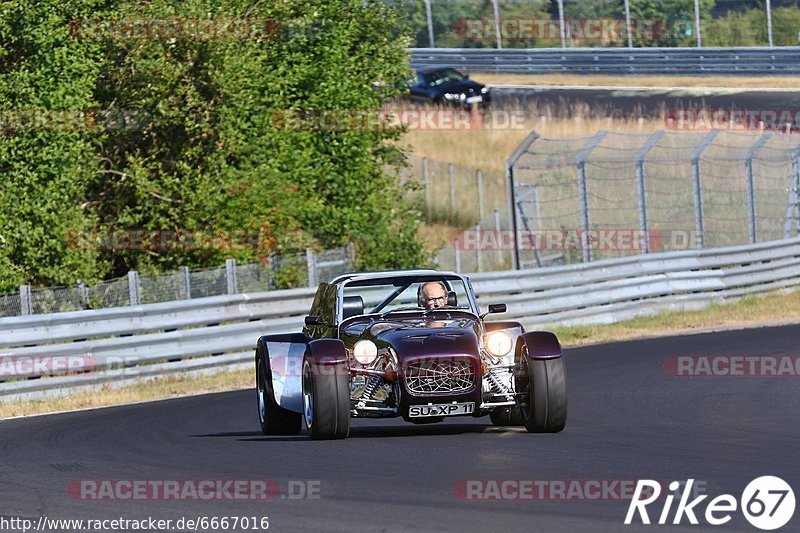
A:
[(439, 77), (389, 294)]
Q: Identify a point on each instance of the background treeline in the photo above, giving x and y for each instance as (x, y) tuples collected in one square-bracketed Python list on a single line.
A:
[(182, 135), (723, 22)]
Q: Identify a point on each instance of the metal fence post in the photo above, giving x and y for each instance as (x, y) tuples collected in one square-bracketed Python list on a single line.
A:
[(427, 181), (479, 176), (769, 22), (496, 9), (697, 23), (478, 249), (698, 189), (311, 263), (794, 200), (230, 275), (451, 171), (25, 303), (498, 236), (458, 259), (583, 193), (429, 15), (751, 189), (84, 294), (641, 189), (133, 288), (528, 230), (583, 200), (187, 283), (628, 28), (562, 30), (510, 186)]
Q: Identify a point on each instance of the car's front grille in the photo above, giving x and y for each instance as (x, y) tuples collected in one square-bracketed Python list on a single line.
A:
[(426, 376)]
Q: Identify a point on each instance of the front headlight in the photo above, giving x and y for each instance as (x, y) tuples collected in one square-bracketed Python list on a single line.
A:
[(365, 352), (450, 96), (484, 90), (499, 343)]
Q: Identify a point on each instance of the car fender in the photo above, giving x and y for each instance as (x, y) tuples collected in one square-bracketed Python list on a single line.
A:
[(541, 345), (327, 352), (284, 354)]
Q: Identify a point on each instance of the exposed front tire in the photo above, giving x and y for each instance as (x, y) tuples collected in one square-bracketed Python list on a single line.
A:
[(545, 409), (274, 419), (326, 399)]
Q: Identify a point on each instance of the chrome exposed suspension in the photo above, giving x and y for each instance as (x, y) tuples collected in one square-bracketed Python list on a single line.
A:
[(497, 386), (369, 390)]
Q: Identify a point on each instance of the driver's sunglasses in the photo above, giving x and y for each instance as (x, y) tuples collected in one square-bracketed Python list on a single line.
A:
[(439, 299)]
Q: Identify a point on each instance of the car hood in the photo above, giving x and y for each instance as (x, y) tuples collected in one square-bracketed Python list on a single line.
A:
[(424, 336)]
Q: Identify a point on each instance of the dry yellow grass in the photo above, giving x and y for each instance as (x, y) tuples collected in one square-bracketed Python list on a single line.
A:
[(781, 307), (744, 82), (437, 235), (170, 387), (487, 149), (774, 308)]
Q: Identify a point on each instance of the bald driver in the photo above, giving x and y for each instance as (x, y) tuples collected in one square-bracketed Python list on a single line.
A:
[(432, 295)]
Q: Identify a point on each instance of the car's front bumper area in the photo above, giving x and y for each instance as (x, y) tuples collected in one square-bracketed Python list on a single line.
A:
[(480, 100), (438, 381)]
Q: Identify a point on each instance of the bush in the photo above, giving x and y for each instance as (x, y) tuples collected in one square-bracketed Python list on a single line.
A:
[(202, 149)]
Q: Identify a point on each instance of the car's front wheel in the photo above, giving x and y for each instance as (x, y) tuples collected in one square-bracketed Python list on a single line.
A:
[(544, 408), (326, 399), (275, 420)]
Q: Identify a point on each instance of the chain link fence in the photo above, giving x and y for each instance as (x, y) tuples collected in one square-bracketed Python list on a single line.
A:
[(505, 24), (616, 194), (134, 289), (456, 197)]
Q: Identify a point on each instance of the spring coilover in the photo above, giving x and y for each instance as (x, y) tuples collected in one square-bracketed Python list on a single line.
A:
[(369, 389), (497, 384)]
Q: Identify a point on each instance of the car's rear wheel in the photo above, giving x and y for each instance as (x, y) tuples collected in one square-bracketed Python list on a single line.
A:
[(544, 410), (274, 419), (326, 399), (507, 416)]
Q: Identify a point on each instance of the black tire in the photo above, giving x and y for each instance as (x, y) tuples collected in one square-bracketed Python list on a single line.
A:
[(274, 419), (507, 416), (326, 400), (545, 410)]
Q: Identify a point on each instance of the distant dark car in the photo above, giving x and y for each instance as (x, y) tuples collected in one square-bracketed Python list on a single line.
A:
[(447, 86), (372, 349)]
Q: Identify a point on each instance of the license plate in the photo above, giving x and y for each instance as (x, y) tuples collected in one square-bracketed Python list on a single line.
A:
[(441, 409), (474, 99)]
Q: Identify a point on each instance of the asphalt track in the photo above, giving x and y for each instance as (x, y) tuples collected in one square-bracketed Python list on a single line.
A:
[(629, 419), (645, 101)]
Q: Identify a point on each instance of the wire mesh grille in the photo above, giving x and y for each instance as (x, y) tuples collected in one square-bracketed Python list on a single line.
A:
[(439, 375)]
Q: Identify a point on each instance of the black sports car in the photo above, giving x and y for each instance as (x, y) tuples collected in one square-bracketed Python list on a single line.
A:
[(446, 86)]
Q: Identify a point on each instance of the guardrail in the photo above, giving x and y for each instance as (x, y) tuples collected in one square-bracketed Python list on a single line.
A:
[(684, 61), (123, 344)]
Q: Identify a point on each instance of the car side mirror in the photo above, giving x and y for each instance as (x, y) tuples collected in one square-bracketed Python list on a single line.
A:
[(497, 308), (314, 321)]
